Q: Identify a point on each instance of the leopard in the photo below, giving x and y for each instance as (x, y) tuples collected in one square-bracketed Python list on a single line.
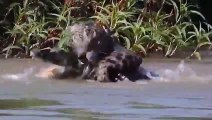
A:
[(119, 66), (109, 69), (88, 44), (99, 56), (90, 38), (91, 43)]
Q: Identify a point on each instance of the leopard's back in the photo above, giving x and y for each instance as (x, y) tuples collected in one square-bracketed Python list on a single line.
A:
[(116, 63), (88, 37), (79, 41)]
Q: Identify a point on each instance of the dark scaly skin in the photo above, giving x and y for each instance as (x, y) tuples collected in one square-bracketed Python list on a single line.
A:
[(56, 56), (72, 66)]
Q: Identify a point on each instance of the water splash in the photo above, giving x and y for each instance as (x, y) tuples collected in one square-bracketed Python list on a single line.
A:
[(182, 71), (50, 71), (19, 76)]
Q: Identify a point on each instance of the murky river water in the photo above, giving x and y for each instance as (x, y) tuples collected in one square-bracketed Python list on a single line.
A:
[(183, 93)]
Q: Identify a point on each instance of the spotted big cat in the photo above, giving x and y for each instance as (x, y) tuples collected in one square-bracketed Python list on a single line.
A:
[(95, 47), (90, 37), (120, 65), (89, 44)]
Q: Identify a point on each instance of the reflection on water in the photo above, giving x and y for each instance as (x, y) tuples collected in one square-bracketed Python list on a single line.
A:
[(44, 99), (137, 105), (183, 118), (24, 103)]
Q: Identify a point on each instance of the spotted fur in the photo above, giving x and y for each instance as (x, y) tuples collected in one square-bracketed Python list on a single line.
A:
[(117, 63), (103, 59), (91, 43), (92, 39)]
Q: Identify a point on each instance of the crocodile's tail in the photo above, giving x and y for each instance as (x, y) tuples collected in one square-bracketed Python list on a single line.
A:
[(56, 56), (141, 74)]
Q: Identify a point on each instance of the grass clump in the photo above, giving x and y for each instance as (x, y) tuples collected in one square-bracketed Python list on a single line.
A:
[(35, 26), (156, 29)]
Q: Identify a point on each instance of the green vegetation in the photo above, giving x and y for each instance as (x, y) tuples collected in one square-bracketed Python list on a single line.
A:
[(8, 104), (158, 25)]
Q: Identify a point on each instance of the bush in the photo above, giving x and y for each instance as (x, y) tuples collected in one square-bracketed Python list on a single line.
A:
[(34, 25), (154, 29)]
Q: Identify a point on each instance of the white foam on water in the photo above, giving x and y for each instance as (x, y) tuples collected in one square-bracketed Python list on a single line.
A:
[(23, 76), (177, 74), (27, 75), (181, 73)]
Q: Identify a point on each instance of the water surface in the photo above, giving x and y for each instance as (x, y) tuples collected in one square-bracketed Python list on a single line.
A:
[(183, 93)]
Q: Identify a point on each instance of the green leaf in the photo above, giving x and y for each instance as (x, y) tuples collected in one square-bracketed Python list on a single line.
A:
[(10, 47), (204, 43), (127, 42), (138, 47), (143, 38), (198, 13)]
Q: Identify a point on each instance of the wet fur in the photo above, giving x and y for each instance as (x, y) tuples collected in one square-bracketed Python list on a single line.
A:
[(104, 60), (91, 43), (116, 63)]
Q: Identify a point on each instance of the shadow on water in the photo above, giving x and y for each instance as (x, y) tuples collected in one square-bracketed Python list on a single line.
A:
[(146, 106), (137, 105), (24, 106), (183, 118), (82, 114), (6, 104)]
